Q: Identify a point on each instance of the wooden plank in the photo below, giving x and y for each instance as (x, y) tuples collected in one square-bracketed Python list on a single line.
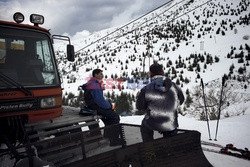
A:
[(60, 130), (66, 138), (58, 148), (64, 120), (65, 156)]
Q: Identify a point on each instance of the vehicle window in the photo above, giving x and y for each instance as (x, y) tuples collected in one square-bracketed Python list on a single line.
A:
[(27, 58), (2, 51), (44, 54), (17, 45)]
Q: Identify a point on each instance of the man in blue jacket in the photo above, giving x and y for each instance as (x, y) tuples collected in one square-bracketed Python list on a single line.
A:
[(94, 99)]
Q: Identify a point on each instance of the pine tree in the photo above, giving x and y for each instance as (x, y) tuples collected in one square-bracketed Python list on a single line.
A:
[(122, 103), (178, 81), (198, 68), (240, 70), (231, 69), (247, 63), (108, 95), (245, 86), (223, 33), (198, 76), (188, 100), (113, 96), (217, 59), (74, 67), (218, 31), (247, 47), (241, 48), (190, 68), (186, 80)]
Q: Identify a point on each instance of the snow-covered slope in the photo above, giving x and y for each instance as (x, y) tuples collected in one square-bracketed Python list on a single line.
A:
[(191, 39)]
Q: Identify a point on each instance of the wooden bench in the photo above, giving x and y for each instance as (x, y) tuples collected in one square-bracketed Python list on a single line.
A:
[(62, 139), (70, 120)]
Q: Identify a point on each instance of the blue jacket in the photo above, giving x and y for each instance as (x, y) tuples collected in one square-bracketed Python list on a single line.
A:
[(97, 93)]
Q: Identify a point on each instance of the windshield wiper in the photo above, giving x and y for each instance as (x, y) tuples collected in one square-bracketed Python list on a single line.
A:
[(9, 80)]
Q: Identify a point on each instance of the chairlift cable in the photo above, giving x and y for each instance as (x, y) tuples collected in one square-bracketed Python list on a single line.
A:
[(147, 31), (117, 37), (140, 25), (152, 29), (124, 26)]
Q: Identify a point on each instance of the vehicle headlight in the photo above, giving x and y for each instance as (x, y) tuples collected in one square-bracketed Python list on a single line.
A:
[(50, 102), (18, 17), (36, 19)]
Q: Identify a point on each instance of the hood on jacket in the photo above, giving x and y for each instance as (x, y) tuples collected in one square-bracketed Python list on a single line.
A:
[(161, 83), (91, 84), (84, 86)]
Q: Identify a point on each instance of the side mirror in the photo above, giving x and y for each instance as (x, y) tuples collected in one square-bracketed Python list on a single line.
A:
[(70, 48), (70, 53)]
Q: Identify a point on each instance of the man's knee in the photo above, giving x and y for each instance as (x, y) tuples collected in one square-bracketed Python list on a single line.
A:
[(112, 117), (116, 118)]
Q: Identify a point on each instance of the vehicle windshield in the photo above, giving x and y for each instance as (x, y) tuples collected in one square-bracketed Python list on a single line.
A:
[(26, 57)]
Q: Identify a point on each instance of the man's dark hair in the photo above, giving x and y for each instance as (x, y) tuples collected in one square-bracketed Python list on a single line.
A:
[(156, 69), (96, 71)]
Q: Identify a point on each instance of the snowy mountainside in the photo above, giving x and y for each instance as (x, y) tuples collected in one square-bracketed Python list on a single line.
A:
[(192, 39)]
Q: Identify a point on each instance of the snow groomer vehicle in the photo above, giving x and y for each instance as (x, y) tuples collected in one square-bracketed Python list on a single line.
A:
[(35, 130)]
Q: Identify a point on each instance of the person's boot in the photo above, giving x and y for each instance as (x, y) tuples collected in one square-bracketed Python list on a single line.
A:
[(113, 135), (116, 142)]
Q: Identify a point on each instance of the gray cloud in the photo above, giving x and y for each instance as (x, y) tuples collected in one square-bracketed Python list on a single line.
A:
[(72, 16)]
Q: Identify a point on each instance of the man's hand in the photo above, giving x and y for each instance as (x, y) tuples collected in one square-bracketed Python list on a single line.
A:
[(113, 106)]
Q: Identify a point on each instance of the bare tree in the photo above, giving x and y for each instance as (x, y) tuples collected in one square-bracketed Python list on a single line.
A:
[(212, 95)]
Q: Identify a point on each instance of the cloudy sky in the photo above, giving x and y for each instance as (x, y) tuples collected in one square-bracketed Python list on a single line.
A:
[(79, 16)]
